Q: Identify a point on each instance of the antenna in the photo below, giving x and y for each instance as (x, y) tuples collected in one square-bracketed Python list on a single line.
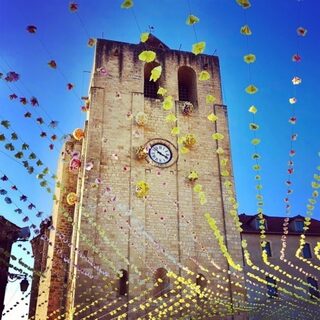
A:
[(214, 52), (151, 28), (180, 46)]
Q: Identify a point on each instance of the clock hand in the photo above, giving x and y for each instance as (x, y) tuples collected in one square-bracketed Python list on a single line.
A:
[(162, 154)]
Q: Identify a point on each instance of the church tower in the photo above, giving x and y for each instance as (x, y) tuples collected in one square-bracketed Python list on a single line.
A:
[(136, 243)]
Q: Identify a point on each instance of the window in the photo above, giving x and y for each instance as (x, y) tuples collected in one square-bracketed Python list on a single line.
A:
[(298, 226), (258, 223), (123, 283), (267, 248), (150, 87), (162, 282), (201, 281), (187, 85), (271, 287), (313, 288), (306, 251)]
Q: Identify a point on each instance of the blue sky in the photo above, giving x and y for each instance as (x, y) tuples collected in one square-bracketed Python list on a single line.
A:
[(63, 35)]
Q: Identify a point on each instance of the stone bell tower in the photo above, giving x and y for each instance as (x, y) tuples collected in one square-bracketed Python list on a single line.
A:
[(138, 213)]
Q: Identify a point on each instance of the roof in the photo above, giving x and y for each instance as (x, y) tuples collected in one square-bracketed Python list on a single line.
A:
[(274, 225), (154, 42)]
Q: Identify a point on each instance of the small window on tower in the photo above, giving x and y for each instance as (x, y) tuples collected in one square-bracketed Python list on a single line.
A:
[(187, 84), (162, 282), (150, 87), (123, 283)]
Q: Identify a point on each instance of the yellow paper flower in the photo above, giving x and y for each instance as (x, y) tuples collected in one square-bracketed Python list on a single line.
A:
[(251, 89), (198, 47), (217, 136), (220, 151), (171, 118), (175, 131), (249, 58), (147, 56), (141, 118), (210, 99), (144, 36), (71, 198), (255, 141), (162, 91), (245, 4), (245, 30), (253, 109), (193, 176), (204, 75), (167, 103), (126, 4), (155, 73), (212, 117), (197, 188), (192, 20), (78, 134), (189, 140), (184, 150), (202, 198), (142, 189)]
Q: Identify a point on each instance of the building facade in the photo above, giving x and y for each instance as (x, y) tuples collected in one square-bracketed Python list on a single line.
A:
[(9, 233), (136, 215), (289, 282)]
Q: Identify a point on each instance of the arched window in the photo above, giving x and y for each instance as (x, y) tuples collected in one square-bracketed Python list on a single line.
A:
[(162, 282), (187, 83), (150, 87), (123, 283)]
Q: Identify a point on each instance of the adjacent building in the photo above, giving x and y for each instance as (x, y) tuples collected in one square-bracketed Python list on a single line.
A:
[(9, 233), (291, 281)]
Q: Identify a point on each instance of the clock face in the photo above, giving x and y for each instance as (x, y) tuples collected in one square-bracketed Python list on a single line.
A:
[(160, 153)]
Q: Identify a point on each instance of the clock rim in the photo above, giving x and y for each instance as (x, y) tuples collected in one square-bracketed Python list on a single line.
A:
[(162, 144), (170, 145)]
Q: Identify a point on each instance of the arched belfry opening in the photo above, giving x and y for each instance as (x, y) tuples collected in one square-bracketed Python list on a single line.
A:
[(162, 282), (187, 83), (123, 283), (150, 87)]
